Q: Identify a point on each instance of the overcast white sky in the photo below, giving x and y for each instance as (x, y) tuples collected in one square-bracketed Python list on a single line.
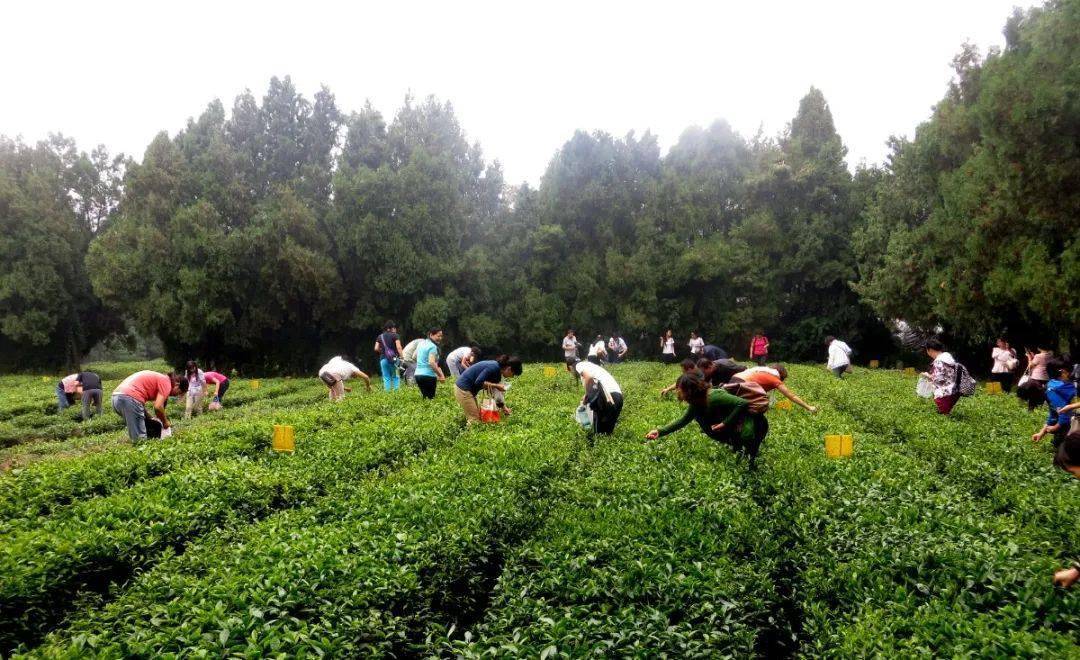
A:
[(522, 76)]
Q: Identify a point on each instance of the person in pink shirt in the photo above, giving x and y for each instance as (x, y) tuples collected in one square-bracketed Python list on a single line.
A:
[(220, 383), (130, 397), (66, 390)]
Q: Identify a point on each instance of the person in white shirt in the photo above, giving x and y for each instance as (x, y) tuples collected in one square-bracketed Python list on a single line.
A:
[(697, 345), (338, 370), (839, 356), (667, 347), (597, 350), (617, 348), (602, 395), (1005, 364), (461, 359), (570, 346), (408, 358), (196, 389)]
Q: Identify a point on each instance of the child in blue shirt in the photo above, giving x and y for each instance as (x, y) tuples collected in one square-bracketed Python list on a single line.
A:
[(1060, 391)]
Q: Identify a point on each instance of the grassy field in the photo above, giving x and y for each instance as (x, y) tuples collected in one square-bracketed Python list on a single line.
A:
[(395, 530)]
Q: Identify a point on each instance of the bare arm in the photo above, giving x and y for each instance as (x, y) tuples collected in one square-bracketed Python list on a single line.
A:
[(365, 377), (783, 389), (159, 409), (587, 381)]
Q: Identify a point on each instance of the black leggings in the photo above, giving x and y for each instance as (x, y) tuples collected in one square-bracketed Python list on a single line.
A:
[(427, 385), (1006, 380), (606, 414), (668, 358)]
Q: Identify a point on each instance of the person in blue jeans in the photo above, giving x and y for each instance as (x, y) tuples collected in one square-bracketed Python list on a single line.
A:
[(428, 372), (388, 346)]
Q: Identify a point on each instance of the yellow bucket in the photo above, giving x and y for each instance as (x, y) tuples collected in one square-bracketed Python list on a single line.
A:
[(550, 372), (255, 384), (874, 364), (284, 438), (838, 446), (909, 371), (783, 404), (993, 388), (44, 379)]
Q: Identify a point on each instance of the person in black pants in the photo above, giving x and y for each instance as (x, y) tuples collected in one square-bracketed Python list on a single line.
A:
[(602, 394)]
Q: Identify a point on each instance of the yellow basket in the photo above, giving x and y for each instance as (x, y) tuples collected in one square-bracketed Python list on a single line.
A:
[(909, 371), (838, 446), (284, 438), (256, 384), (550, 372), (874, 364), (44, 379), (993, 387), (783, 404)]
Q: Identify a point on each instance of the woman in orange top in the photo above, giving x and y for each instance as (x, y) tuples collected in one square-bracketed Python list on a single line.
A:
[(759, 348), (772, 378)]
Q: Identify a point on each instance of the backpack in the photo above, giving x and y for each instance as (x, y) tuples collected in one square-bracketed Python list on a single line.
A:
[(389, 350), (753, 393), (965, 384)]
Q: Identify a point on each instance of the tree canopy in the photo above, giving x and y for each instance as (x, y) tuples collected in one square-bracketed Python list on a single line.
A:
[(283, 230)]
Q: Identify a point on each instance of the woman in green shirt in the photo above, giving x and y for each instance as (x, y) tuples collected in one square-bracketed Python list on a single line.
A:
[(721, 415)]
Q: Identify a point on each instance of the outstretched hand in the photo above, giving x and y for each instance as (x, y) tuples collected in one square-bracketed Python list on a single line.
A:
[(652, 435), (718, 427), (1066, 577)]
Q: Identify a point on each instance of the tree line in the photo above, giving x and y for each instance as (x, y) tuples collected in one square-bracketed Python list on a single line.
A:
[(285, 229)]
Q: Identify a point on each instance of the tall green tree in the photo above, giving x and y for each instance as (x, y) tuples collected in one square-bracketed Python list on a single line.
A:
[(53, 200), (974, 227), (218, 246)]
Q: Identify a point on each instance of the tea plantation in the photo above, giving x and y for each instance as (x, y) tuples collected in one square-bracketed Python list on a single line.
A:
[(394, 530)]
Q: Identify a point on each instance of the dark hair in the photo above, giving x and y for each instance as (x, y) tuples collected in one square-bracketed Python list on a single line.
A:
[(704, 363), (780, 369), (1068, 453), (934, 345), (390, 325), (434, 331), (191, 366), (179, 381), (829, 339), (688, 365), (513, 362), (1056, 365), (694, 387)]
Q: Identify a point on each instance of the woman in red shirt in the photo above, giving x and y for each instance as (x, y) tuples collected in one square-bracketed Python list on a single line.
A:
[(759, 348)]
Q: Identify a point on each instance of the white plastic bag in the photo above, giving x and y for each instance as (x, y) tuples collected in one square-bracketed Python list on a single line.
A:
[(166, 433), (924, 387), (583, 416)]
